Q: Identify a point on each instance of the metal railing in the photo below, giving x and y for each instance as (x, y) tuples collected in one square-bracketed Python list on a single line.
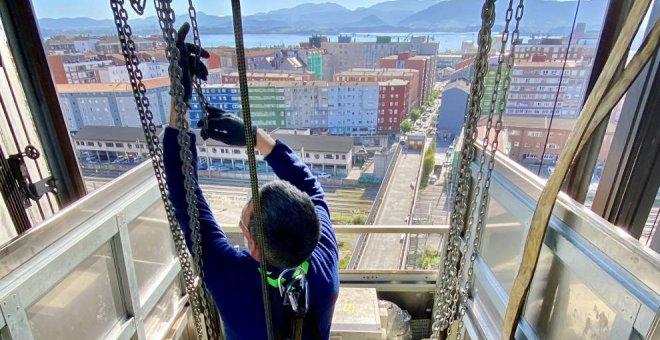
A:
[(107, 265), (105, 268), (593, 279)]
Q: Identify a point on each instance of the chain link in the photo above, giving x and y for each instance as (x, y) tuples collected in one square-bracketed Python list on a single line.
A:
[(482, 194), (449, 279), (451, 295), (197, 297), (166, 18)]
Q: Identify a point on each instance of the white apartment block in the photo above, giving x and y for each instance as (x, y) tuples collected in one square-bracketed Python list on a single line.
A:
[(111, 104), (118, 74), (534, 88), (332, 107)]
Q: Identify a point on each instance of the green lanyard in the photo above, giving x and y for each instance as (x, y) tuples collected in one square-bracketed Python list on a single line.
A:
[(274, 281)]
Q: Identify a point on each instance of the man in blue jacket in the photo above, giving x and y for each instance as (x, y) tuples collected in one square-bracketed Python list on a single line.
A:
[(296, 221)]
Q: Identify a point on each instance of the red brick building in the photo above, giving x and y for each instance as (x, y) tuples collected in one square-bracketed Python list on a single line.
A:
[(523, 138), (423, 65), (392, 105)]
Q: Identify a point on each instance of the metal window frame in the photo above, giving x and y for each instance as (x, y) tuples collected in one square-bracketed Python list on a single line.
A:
[(25, 42), (631, 175)]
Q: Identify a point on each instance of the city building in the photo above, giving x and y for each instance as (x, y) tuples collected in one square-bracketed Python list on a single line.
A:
[(349, 55), (423, 64), (119, 74), (320, 62), (77, 68), (451, 115), (447, 60), (111, 45), (337, 108), (221, 57), (224, 97), (534, 88), (329, 154), (69, 44), (392, 105), (112, 104), (386, 74), (555, 49), (523, 139), (272, 76)]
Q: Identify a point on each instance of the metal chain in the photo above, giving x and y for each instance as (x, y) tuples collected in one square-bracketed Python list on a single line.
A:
[(449, 280), (124, 34), (198, 298), (166, 18), (192, 13), (500, 100)]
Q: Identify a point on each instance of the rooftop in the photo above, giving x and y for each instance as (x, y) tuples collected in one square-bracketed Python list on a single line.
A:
[(377, 71), (458, 84), (111, 87), (295, 141)]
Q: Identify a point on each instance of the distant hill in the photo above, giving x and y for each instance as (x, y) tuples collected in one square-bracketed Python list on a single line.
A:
[(539, 15), (389, 16)]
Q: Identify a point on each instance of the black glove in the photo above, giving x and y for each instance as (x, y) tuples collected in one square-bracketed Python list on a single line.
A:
[(224, 127), (190, 65)]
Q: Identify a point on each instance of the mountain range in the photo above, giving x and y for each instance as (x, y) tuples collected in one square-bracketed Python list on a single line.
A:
[(540, 16)]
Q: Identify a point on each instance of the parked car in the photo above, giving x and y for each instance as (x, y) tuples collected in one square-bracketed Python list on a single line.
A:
[(433, 179), (239, 166), (323, 175)]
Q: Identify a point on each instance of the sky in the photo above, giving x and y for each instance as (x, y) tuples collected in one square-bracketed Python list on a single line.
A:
[(100, 9)]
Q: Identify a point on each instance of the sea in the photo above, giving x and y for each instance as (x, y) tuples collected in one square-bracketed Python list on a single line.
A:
[(446, 40)]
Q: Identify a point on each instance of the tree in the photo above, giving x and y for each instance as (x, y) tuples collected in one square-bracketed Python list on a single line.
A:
[(406, 126), (415, 113), (429, 260), (428, 165)]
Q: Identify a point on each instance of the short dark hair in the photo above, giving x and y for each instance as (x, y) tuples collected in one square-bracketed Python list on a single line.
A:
[(292, 228)]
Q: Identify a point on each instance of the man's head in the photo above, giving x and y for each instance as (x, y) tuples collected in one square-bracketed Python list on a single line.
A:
[(291, 225)]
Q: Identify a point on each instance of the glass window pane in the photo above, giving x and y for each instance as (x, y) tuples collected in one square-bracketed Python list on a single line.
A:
[(85, 305), (152, 246), (159, 319)]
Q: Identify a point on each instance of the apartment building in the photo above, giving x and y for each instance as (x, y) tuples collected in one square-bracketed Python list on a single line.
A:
[(534, 88), (523, 139), (119, 74), (349, 55), (335, 108), (423, 64), (392, 105), (271, 76), (112, 104), (77, 68), (318, 61), (556, 49), (386, 74)]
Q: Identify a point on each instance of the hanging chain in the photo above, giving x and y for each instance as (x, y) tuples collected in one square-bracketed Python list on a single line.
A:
[(192, 12), (500, 101), (124, 34), (166, 18), (449, 280)]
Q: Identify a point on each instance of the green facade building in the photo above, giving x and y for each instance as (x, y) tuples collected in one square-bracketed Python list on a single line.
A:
[(315, 64), (267, 107)]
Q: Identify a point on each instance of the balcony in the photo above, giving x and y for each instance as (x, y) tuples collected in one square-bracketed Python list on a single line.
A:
[(106, 268)]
